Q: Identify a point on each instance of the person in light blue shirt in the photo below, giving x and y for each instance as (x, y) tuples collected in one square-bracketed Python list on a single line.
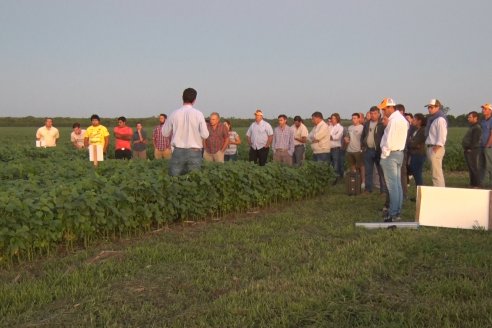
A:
[(260, 137)]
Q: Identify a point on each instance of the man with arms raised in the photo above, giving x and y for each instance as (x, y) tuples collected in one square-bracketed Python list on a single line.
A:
[(392, 145), (189, 130)]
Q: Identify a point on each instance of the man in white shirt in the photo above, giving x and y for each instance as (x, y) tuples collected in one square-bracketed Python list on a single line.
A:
[(320, 138), (300, 139), (260, 137), (189, 130), (392, 145), (47, 134), (336, 136), (77, 136), (436, 132)]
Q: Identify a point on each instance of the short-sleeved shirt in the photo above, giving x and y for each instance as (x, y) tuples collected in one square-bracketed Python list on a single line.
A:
[(139, 146), (216, 138), (96, 134), (47, 136), (486, 128), (78, 138), (160, 142), (120, 143), (231, 148), (355, 132), (259, 133)]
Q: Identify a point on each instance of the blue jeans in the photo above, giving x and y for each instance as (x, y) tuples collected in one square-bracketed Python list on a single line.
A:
[(336, 161), (298, 156), (322, 157), (371, 159), (185, 160), (391, 166), (232, 158), (416, 166)]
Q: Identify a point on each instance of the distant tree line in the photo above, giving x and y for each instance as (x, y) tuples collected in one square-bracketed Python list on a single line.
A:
[(31, 121)]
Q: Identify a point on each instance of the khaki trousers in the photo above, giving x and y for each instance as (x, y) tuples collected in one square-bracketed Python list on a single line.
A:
[(436, 166), (162, 154), (282, 156), (218, 157)]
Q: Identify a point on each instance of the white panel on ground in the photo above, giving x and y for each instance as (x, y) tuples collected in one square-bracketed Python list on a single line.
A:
[(453, 207), (385, 225)]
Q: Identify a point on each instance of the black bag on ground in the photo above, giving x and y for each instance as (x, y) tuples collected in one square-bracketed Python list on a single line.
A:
[(353, 183)]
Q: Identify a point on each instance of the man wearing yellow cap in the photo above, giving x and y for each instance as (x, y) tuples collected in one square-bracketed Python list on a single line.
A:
[(392, 145), (486, 145)]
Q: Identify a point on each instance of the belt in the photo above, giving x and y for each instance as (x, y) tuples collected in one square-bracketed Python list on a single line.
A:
[(334, 148), (298, 146), (123, 149), (280, 149), (428, 146), (194, 149)]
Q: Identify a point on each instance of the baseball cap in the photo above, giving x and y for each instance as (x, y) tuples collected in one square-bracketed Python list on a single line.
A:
[(386, 102), (487, 106), (259, 112), (433, 102)]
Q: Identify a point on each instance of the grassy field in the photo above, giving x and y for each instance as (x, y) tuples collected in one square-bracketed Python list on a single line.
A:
[(302, 264)]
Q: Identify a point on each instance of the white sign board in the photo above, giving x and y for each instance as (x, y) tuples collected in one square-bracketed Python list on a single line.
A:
[(453, 207)]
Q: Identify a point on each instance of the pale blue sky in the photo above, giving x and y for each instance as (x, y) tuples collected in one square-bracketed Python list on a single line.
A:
[(134, 58)]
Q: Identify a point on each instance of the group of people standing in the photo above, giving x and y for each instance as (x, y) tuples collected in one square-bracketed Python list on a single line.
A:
[(386, 139)]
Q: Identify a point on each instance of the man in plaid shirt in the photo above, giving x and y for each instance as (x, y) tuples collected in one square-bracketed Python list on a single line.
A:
[(283, 142), (217, 141), (162, 145)]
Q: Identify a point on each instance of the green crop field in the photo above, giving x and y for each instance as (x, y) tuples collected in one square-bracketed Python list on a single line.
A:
[(234, 245)]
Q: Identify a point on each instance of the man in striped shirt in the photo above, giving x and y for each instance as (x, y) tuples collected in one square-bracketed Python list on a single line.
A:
[(162, 145), (283, 142)]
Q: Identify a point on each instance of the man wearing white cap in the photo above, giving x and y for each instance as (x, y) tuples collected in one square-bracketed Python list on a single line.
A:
[(392, 146), (260, 137), (436, 132), (486, 145)]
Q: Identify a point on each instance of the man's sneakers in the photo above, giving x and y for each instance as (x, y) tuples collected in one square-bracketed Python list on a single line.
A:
[(393, 218)]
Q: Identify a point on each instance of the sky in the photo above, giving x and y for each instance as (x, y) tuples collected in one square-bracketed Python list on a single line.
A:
[(134, 58)]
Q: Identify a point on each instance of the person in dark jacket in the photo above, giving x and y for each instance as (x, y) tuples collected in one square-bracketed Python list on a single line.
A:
[(471, 148), (370, 140), (416, 148)]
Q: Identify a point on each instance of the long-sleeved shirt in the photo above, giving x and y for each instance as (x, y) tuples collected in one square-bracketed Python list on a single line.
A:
[(283, 138), (395, 134), (299, 132), (471, 140), (320, 132), (438, 132), (336, 135), (259, 133), (188, 127)]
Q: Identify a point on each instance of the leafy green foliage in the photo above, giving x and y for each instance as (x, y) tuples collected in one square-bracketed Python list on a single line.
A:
[(50, 200)]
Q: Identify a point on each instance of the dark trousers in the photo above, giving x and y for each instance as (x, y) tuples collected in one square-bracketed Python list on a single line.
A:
[(371, 159), (404, 177), (123, 154), (416, 166), (472, 158), (336, 160), (298, 156), (259, 156)]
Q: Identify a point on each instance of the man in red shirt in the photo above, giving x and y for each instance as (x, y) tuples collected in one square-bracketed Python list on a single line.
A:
[(123, 136), (217, 141)]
